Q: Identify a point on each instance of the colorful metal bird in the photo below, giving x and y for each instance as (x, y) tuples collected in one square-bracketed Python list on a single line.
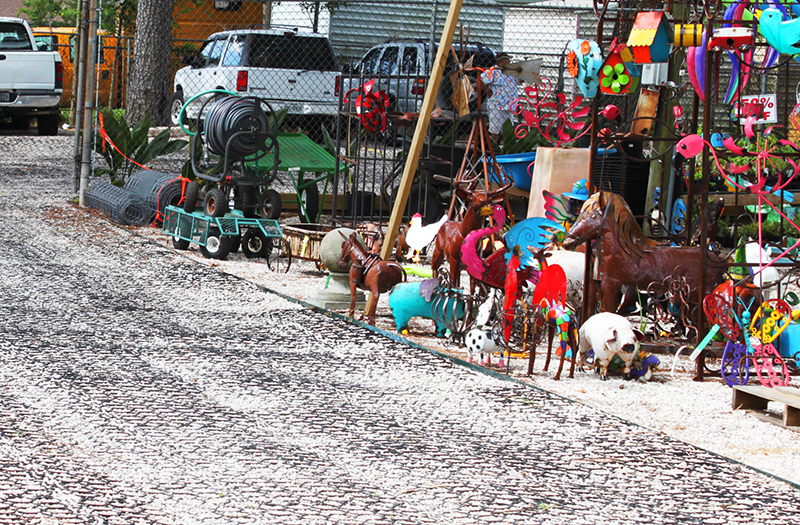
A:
[(783, 35), (419, 236)]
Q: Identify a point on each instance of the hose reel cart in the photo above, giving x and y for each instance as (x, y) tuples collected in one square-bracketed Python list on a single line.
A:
[(222, 206)]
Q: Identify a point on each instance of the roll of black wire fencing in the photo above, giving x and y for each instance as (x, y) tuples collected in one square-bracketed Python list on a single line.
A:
[(158, 189), (121, 205)]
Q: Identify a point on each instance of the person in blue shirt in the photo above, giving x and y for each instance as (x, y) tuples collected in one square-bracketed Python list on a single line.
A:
[(503, 91)]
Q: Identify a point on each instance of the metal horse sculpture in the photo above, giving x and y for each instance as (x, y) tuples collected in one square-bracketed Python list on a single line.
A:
[(368, 272), (626, 257)]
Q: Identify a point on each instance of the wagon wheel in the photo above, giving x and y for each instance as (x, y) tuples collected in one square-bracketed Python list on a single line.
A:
[(735, 368), (770, 367), (280, 257)]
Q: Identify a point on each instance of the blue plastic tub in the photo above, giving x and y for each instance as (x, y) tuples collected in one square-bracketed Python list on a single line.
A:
[(519, 166)]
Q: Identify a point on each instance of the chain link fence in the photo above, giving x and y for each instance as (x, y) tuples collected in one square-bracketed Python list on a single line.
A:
[(303, 58)]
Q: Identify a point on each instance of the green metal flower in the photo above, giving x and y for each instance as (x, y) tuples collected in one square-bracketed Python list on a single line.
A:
[(615, 77)]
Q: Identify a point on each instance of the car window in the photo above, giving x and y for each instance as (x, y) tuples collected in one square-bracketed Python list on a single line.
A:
[(388, 65), (369, 65), (49, 42), (210, 53), (13, 36), (289, 51), (409, 64), (233, 55)]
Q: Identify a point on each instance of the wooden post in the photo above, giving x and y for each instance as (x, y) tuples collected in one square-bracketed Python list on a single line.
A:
[(415, 150)]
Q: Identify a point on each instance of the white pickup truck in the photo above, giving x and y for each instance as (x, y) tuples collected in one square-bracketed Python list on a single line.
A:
[(31, 81), (287, 68)]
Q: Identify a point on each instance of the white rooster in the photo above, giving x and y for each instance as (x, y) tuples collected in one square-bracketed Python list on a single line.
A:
[(418, 237)]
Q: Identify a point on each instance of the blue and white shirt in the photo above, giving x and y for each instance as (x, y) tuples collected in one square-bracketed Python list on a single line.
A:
[(504, 88)]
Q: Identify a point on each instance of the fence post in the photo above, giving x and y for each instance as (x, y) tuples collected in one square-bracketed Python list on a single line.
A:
[(88, 108)]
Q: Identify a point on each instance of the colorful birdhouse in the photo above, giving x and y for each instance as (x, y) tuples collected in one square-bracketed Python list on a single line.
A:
[(650, 38), (619, 74), (583, 64)]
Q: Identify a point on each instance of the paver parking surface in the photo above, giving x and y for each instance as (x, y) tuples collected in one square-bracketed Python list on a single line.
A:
[(139, 387)]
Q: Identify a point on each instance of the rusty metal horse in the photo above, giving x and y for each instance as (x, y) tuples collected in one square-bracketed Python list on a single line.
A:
[(368, 272), (626, 257)]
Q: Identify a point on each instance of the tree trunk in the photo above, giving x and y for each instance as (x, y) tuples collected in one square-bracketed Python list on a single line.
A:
[(148, 84)]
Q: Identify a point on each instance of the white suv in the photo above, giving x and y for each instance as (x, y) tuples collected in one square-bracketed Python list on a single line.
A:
[(288, 69)]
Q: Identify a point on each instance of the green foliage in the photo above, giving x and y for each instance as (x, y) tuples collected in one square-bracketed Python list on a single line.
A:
[(510, 143), (65, 13), (48, 12), (133, 144), (769, 142)]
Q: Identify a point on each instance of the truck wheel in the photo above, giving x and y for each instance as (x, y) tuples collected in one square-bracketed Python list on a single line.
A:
[(217, 246), (270, 206), (48, 125), (216, 203), (20, 123), (175, 107), (255, 244)]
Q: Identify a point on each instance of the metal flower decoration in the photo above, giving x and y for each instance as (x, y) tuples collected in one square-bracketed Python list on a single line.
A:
[(370, 106), (558, 121), (615, 77)]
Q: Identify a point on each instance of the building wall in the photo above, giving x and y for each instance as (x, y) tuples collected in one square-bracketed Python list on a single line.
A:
[(10, 7)]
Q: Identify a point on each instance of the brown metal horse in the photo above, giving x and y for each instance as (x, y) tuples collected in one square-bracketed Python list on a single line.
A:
[(626, 257), (368, 272)]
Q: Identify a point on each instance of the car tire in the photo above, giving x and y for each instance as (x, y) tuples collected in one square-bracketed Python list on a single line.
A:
[(215, 203), (47, 125), (20, 123), (175, 106)]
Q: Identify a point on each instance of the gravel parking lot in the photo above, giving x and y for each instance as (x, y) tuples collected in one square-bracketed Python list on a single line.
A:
[(139, 386)]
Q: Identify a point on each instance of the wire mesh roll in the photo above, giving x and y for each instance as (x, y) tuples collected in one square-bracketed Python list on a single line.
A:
[(121, 205), (158, 189), (231, 115)]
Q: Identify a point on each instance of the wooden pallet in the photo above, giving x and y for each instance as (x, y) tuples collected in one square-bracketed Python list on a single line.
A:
[(756, 398)]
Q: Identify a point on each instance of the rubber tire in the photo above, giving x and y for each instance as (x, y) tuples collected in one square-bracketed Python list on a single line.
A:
[(255, 244), (216, 203), (47, 125), (245, 198), (20, 123), (217, 246), (270, 205), (180, 244), (310, 198), (174, 107), (192, 195)]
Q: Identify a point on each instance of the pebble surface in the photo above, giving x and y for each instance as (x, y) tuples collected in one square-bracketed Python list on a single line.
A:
[(137, 386)]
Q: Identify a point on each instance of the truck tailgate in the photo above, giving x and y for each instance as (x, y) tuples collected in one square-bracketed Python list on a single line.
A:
[(24, 70), (289, 88)]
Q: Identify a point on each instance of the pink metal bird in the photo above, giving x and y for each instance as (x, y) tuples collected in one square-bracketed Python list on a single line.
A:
[(476, 266)]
